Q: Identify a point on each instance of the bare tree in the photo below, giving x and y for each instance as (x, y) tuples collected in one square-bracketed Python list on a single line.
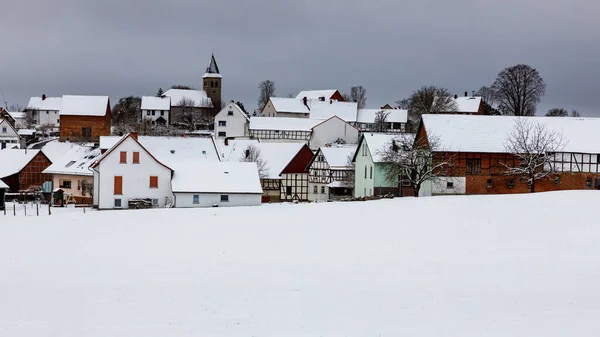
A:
[(403, 103), (575, 113), (359, 95), (348, 179), (87, 188), (252, 154), (533, 147), (182, 87), (557, 112), (31, 116), (518, 90), (16, 108), (487, 94), (430, 100), (267, 90), (380, 123), (347, 98), (415, 162), (189, 115)]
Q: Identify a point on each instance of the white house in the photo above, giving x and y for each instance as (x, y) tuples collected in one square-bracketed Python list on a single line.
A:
[(9, 137), (46, 110), (396, 119), (329, 173), (315, 133), (219, 184), (156, 109), (231, 121), (142, 167)]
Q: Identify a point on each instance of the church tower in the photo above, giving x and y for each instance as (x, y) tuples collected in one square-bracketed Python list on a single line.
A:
[(212, 83)]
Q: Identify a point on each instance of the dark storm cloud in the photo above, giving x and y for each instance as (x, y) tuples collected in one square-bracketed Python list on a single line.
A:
[(122, 48)]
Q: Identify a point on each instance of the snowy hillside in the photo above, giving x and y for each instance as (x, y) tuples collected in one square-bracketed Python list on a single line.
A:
[(518, 265)]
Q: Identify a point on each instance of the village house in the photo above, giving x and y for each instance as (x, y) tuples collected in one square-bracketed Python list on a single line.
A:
[(231, 121), (45, 111), (283, 173), (136, 168), (3, 189), (315, 133), (309, 108), (72, 175), (468, 105), (370, 168), (156, 110), (84, 118), (22, 169), (395, 121), (479, 158), (9, 137), (330, 172), (322, 95)]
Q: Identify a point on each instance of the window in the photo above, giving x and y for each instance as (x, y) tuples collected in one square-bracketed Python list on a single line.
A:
[(147, 112), (224, 198), (230, 113), (136, 157), (47, 112), (364, 150), (64, 184), (222, 134), (205, 83), (449, 184), (162, 113), (371, 172), (153, 182), (69, 164), (511, 183), (86, 132), (316, 189), (4, 129), (123, 157), (489, 183), (288, 190), (473, 166), (153, 112), (365, 171), (58, 121), (323, 189), (118, 185), (117, 203), (196, 199), (556, 180), (154, 202), (222, 123), (588, 183), (216, 84)]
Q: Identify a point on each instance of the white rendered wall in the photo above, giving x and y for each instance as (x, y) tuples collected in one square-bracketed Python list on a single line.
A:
[(235, 125), (440, 186), (329, 131), (186, 200)]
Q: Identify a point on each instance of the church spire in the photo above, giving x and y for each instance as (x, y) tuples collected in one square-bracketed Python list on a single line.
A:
[(212, 68)]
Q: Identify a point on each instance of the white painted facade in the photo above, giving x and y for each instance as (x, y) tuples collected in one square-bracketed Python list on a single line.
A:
[(364, 183), (448, 186), (193, 200), (155, 108), (48, 117), (136, 177), (231, 121), (153, 115), (8, 135), (330, 130)]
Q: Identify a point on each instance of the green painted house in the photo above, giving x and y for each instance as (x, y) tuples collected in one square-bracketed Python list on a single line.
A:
[(369, 175)]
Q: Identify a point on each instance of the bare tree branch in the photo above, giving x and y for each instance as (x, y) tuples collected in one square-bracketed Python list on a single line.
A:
[(518, 90), (430, 100), (359, 95), (380, 124), (252, 154), (267, 90)]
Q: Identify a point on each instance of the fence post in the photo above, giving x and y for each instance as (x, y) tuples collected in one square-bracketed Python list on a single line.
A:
[(37, 209), (14, 209), (25, 208), (49, 210)]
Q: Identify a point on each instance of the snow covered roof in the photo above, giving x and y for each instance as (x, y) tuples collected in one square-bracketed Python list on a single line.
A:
[(14, 160), (234, 107), (54, 150), (17, 115), (337, 157), (325, 110), (467, 104), (376, 143), (315, 94), (171, 150), (156, 103), (50, 103), (489, 134), (76, 161), (292, 105), (216, 177), (276, 155), (282, 123), (3, 185), (199, 97), (83, 105), (26, 132), (395, 115), (212, 71)]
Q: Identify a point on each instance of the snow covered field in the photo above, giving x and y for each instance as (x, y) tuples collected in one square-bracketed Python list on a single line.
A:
[(525, 265)]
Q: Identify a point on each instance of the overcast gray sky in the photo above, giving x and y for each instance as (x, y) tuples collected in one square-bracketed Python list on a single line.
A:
[(133, 47)]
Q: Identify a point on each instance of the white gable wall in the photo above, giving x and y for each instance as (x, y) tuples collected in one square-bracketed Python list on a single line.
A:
[(153, 115), (329, 131), (186, 200), (136, 177), (8, 135), (48, 117), (236, 123)]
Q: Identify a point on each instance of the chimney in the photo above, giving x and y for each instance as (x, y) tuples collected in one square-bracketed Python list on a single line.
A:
[(466, 94), (473, 93), (305, 101), (455, 96), (43, 97), (134, 135)]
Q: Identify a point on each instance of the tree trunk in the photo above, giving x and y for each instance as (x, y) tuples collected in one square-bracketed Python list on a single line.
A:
[(532, 188), (416, 191)]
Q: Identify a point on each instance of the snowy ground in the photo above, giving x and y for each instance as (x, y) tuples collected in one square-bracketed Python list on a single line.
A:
[(446, 266)]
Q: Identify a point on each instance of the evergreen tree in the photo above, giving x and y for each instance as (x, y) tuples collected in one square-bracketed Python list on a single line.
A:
[(160, 92)]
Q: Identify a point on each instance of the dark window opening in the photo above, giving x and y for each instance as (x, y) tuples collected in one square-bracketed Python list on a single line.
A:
[(489, 183), (511, 183), (473, 166)]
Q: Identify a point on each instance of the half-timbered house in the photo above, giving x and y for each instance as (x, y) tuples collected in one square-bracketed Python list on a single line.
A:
[(477, 146), (294, 177), (22, 169), (330, 172)]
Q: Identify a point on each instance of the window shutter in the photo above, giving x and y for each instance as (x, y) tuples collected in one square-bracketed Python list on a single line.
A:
[(153, 182), (136, 157), (123, 157), (118, 185)]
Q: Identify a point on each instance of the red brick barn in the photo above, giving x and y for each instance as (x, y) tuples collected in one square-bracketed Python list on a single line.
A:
[(84, 118), (21, 169), (476, 148)]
